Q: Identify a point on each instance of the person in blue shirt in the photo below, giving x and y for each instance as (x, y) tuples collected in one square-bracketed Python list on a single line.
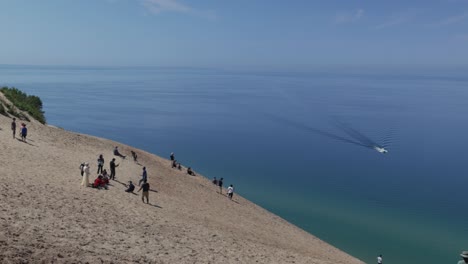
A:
[(144, 176), (24, 132)]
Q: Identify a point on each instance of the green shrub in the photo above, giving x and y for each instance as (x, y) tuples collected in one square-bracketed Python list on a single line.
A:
[(29, 103)]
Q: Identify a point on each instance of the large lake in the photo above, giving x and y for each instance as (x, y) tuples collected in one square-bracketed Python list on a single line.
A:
[(295, 143)]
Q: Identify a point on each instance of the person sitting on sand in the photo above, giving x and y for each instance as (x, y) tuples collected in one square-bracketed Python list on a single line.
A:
[(134, 155), (117, 153), (130, 187), (215, 181), (174, 164), (179, 166), (146, 188), (230, 191), (190, 171), (99, 183), (105, 179)]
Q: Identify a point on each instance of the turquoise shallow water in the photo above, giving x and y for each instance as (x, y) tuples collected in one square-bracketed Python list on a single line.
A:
[(280, 138)]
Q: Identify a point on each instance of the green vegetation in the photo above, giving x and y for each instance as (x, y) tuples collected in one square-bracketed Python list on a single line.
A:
[(29, 103)]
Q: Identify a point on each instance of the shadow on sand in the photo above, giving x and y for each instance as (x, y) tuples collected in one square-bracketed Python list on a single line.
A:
[(26, 142)]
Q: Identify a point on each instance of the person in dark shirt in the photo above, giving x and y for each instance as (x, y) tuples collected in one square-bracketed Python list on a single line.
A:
[(174, 164), (134, 155), (190, 171), (145, 187), (82, 168), (172, 156), (112, 168), (131, 187), (144, 176), (13, 127), (220, 184), (117, 153), (100, 162)]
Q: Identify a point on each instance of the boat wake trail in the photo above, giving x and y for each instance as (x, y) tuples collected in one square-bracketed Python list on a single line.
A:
[(354, 136)]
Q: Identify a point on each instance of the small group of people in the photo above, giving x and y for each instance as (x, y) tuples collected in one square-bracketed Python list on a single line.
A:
[(100, 182), (178, 165), (219, 183), (145, 186), (23, 131)]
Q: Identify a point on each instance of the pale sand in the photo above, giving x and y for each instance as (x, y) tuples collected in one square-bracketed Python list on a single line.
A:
[(45, 217)]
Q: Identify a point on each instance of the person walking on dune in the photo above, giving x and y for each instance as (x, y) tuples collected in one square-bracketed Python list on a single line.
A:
[(112, 166), (144, 176), (13, 127), (145, 187), (85, 181), (230, 191)]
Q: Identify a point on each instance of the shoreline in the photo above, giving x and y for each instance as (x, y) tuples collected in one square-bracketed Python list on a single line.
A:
[(187, 212)]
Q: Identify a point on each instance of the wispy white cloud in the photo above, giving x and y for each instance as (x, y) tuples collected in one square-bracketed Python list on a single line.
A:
[(452, 20), (398, 19), (160, 6), (348, 17)]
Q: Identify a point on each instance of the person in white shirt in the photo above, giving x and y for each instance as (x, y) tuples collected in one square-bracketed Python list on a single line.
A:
[(230, 191), (379, 259)]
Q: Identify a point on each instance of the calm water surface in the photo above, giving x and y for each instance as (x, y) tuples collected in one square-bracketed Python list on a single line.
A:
[(280, 138)]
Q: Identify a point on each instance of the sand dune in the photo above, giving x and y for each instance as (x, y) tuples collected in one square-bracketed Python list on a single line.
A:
[(46, 217)]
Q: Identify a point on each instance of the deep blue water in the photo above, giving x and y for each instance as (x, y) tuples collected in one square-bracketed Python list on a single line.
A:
[(278, 137)]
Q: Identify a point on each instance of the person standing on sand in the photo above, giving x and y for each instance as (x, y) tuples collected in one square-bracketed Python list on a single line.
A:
[(464, 255), (13, 127), (145, 193), (100, 162), (85, 181), (220, 184), (24, 132), (144, 176), (82, 168), (230, 191), (379, 259), (172, 156), (112, 166)]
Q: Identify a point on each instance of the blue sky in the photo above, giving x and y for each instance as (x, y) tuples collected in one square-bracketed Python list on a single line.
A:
[(210, 33)]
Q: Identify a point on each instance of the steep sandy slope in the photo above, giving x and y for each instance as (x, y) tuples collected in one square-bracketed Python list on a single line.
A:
[(46, 217)]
